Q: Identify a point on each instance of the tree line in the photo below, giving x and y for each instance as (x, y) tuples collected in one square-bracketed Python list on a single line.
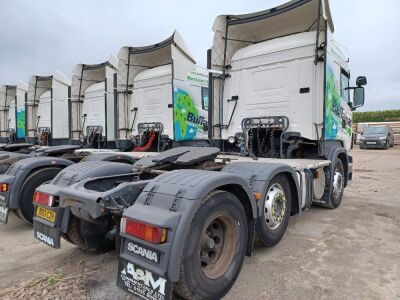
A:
[(377, 116)]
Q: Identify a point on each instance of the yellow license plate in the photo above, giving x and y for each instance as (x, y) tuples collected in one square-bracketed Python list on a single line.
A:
[(46, 214)]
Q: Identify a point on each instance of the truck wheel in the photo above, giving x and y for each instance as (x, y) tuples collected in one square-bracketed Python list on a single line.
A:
[(215, 248), (272, 225), (74, 233), (337, 187), (337, 184), (25, 205), (74, 236)]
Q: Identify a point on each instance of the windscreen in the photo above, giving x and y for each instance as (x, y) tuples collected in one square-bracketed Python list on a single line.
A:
[(376, 130)]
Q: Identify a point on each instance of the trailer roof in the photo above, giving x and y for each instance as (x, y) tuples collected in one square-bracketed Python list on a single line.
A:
[(242, 30)]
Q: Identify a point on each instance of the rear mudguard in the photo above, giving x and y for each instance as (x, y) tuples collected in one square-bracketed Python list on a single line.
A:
[(8, 158), (20, 170), (170, 201)]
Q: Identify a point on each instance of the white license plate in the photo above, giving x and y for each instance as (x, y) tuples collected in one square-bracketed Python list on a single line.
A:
[(371, 143)]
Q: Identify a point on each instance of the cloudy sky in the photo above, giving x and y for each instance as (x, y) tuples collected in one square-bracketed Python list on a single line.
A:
[(38, 37)]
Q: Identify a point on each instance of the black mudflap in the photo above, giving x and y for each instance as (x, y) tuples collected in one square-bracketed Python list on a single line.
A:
[(46, 234)]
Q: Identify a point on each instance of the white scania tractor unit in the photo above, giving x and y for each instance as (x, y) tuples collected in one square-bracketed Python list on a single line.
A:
[(92, 108), (163, 94), (47, 110), (279, 124)]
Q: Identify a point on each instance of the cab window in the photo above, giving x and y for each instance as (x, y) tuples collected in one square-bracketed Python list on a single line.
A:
[(204, 98), (344, 83)]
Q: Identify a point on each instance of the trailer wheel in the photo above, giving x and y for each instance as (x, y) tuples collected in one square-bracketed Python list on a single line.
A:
[(215, 248), (272, 225), (25, 205)]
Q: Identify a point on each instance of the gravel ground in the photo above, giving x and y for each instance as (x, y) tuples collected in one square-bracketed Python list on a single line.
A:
[(352, 252)]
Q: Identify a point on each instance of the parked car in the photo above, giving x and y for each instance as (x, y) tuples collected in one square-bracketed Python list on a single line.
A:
[(377, 137)]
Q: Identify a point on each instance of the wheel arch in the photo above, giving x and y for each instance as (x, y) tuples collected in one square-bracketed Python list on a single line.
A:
[(26, 167), (171, 200)]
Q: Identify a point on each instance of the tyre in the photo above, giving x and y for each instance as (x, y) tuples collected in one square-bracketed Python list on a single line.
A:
[(215, 248), (272, 225), (74, 233), (337, 186), (387, 144), (88, 236), (33, 181)]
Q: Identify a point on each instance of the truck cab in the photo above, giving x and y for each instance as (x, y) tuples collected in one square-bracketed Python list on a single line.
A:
[(92, 105), (47, 110), (285, 88), (161, 90)]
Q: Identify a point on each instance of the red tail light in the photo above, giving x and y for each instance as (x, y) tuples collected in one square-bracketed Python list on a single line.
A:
[(3, 187), (149, 233), (44, 199)]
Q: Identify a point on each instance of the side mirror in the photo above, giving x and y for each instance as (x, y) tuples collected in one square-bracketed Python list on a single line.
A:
[(361, 81), (358, 97)]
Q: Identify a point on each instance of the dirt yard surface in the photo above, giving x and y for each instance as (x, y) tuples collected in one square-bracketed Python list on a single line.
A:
[(352, 252)]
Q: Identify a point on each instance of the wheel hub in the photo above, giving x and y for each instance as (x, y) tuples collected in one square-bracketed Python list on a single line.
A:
[(217, 246), (338, 183), (275, 206)]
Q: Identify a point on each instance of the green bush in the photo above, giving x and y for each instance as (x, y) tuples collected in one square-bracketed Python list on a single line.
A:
[(377, 116)]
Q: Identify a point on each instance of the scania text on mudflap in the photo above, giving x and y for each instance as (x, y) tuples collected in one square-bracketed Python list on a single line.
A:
[(279, 127)]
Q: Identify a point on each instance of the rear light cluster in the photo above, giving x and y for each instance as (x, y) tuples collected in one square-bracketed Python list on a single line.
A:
[(146, 232), (3, 187), (44, 199)]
